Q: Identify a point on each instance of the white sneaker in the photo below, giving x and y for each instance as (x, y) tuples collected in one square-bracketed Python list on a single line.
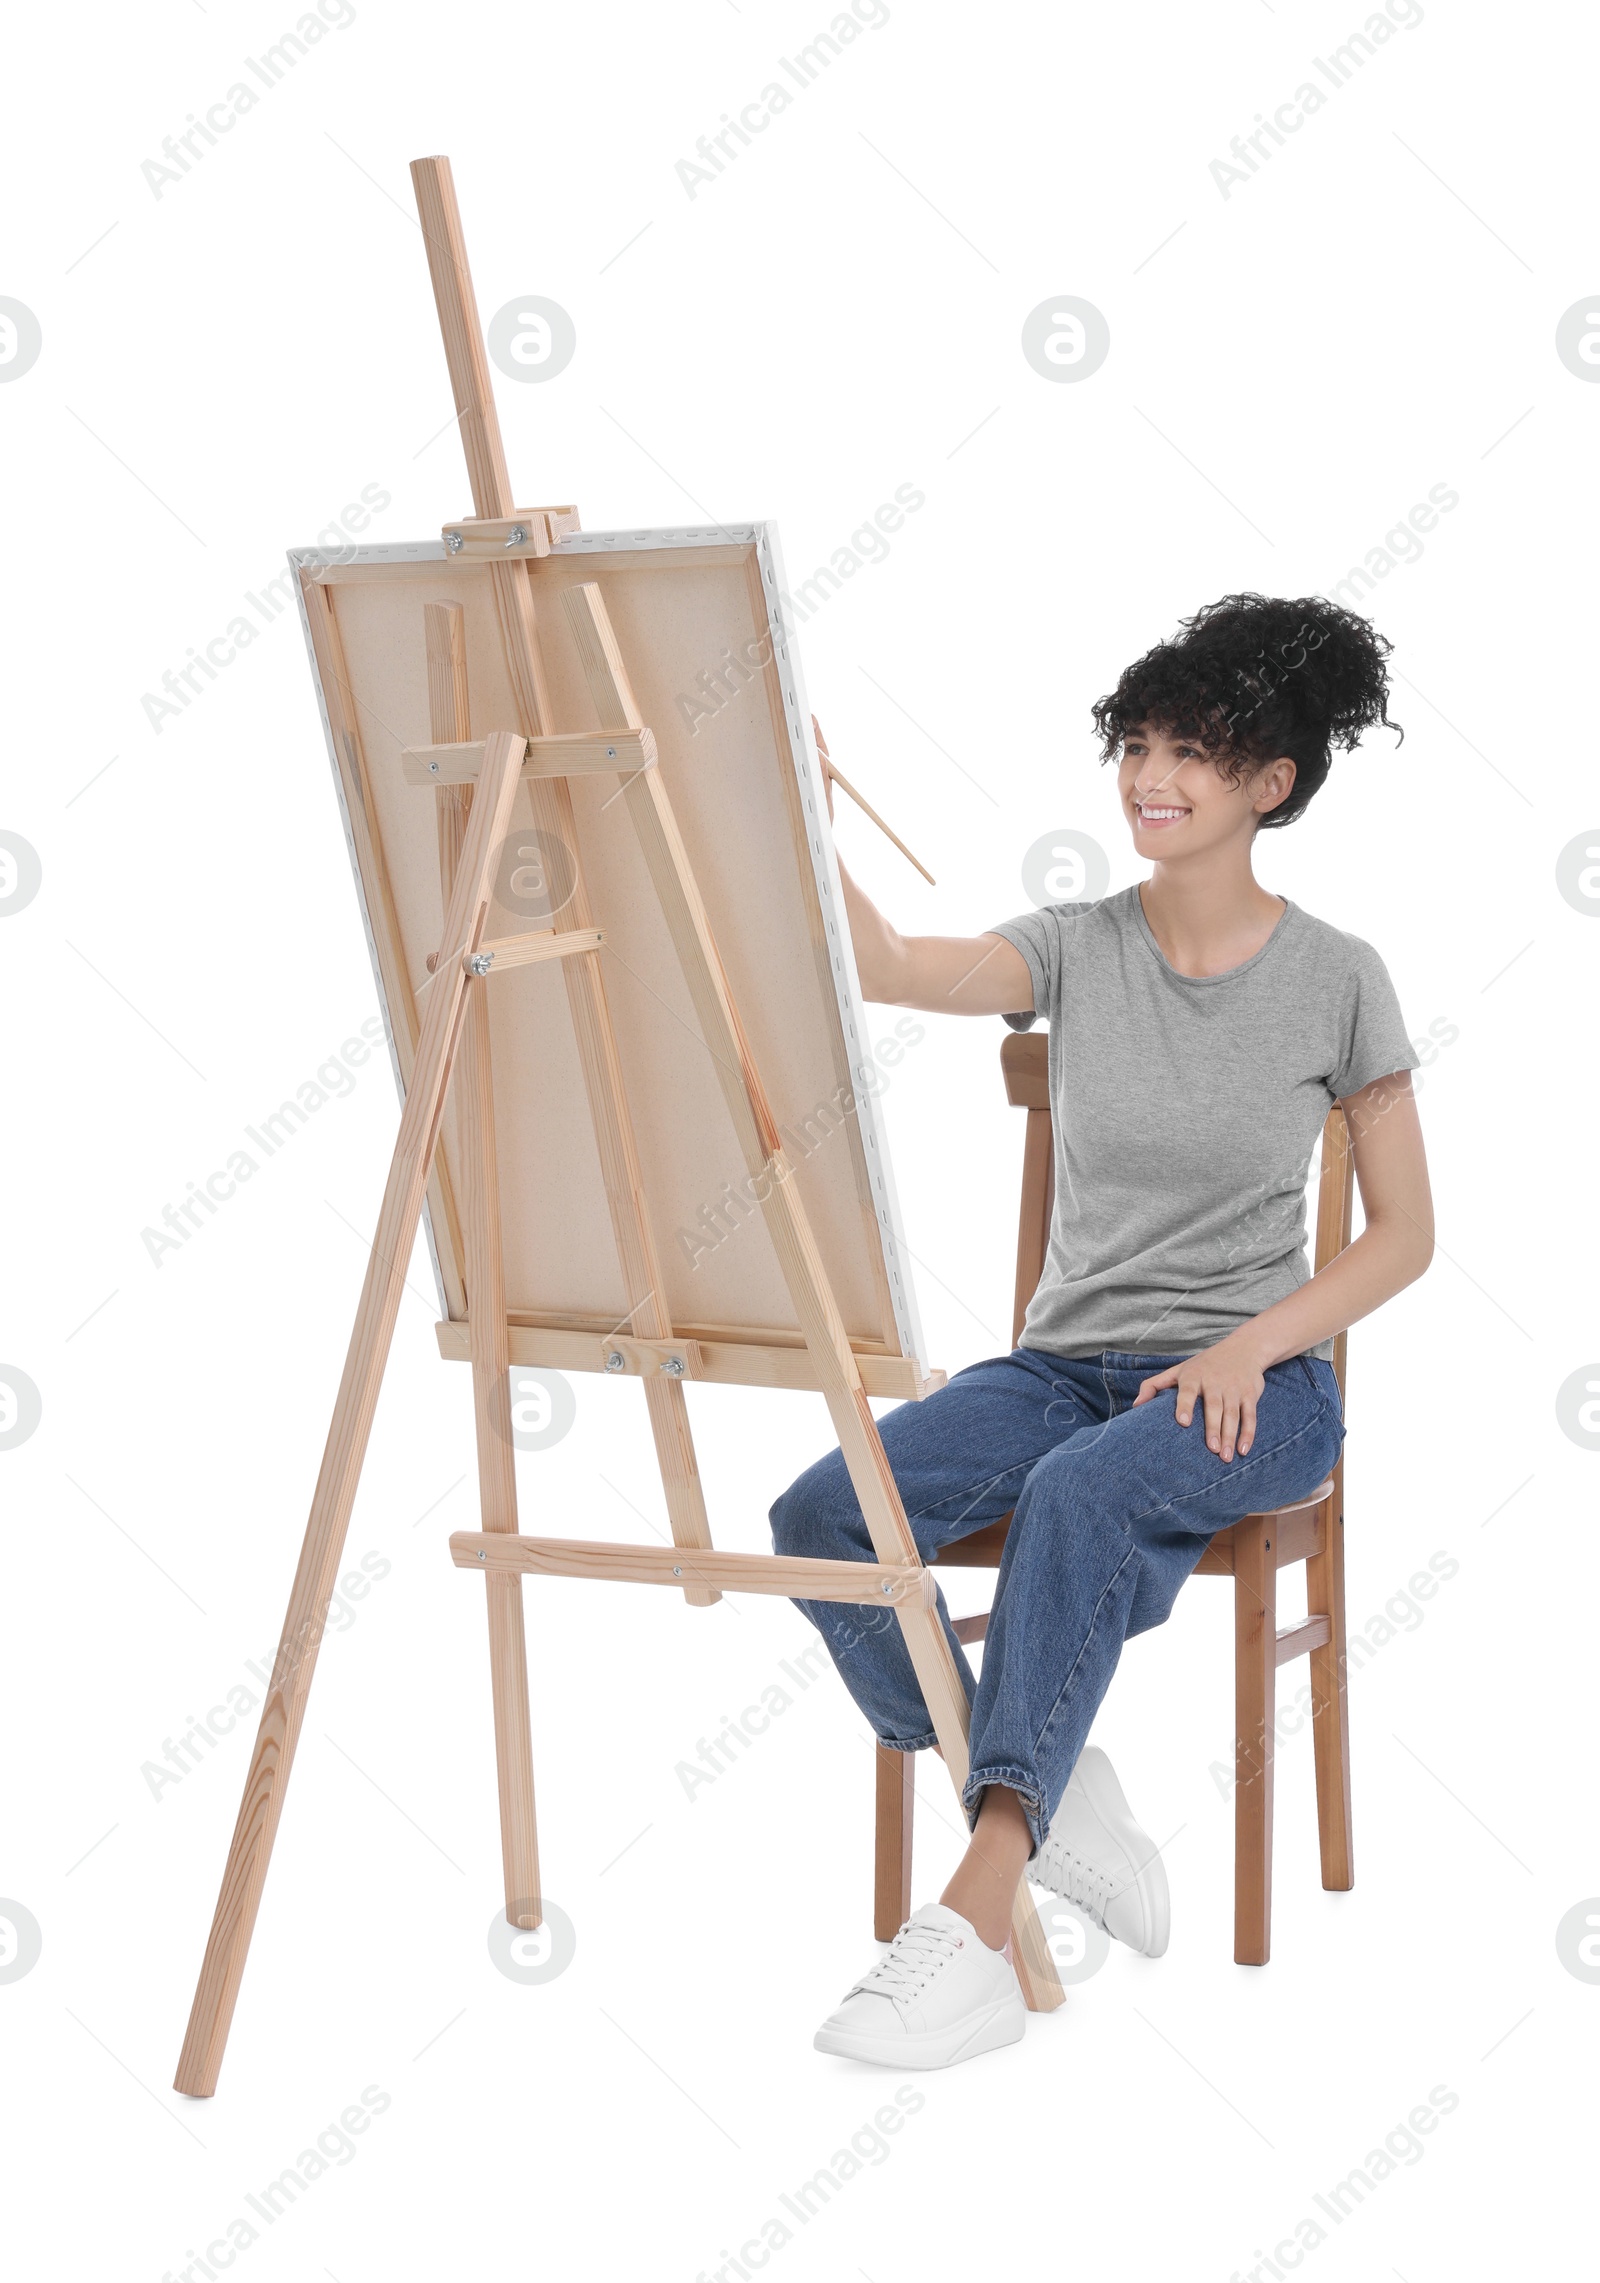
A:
[(1097, 1858), (941, 1995)]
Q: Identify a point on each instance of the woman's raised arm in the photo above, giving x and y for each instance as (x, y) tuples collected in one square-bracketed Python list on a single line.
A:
[(939, 974)]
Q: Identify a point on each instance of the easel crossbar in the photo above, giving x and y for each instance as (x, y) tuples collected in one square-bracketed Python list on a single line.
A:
[(517, 951), (578, 753), (730, 1363), (796, 1577), (527, 950)]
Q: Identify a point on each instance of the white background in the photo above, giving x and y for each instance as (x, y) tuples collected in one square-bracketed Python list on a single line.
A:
[(1292, 366)]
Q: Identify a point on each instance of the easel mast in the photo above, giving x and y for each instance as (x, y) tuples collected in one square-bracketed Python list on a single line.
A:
[(453, 1043)]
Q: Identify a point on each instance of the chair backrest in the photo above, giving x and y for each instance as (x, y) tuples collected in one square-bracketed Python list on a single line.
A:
[(1024, 1062)]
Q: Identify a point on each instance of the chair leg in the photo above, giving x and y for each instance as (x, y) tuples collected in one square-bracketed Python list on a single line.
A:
[(1255, 1650), (891, 1886), (1330, 1707)]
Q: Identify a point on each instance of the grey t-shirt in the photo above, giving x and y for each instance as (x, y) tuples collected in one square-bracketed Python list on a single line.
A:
[(1186, 1111)]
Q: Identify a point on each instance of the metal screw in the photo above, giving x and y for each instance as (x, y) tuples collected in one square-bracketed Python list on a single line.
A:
[(673, 1367), (454, 541), (676, 1571), (611, 753), (615, 1361), (433, 768), (480, 962), (518, 536), (482, 1556)]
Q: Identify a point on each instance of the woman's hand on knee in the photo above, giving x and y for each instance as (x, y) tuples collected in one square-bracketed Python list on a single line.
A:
[(1227, 1381)]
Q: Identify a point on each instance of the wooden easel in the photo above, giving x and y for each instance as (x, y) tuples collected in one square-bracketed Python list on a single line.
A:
[(477, 784)]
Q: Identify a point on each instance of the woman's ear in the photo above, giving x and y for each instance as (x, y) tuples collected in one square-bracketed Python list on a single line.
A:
[(1275, 784)]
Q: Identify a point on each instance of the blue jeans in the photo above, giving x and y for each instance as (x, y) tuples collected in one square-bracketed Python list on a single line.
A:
[(1113, 1508)]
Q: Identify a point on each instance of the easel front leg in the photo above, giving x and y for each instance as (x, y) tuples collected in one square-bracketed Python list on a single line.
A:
[(497, 1473), (484, 1266), (284, 1711)]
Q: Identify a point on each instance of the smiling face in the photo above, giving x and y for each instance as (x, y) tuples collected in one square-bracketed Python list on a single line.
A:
[(1179, 801)]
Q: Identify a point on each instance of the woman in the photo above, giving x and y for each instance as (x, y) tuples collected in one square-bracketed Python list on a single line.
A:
[(1175, 1366)]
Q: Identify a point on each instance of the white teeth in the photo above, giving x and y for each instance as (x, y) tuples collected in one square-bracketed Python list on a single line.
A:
[(1143, 811)]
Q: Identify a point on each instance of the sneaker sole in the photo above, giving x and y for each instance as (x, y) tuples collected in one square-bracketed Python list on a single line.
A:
[(1099, 1785), (1002, 2024)]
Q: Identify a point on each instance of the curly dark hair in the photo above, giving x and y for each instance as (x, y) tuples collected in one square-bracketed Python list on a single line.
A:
[(1252, 678)]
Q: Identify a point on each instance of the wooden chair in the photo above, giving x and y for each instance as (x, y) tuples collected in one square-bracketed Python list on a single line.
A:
[(1251, 1552)]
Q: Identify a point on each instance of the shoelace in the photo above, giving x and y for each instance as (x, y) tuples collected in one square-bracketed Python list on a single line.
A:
[(915, 1955), (1078, 1881)]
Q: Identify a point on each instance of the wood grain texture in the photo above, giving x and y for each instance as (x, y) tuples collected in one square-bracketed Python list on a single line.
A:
[(1298, 1536), (796, 1577), (1255, 1635), (895, 1804), (528, 531), (1335, 1209), (457, 305), (688, 555), (508, 951), (1025, 1068), (1330, 1699), (444, 634), (573, 753), (1299, 1640), (449, 719), (1330, 1703), (497, 1479), (729, 1363), (284, 1708), (1033, 1224)]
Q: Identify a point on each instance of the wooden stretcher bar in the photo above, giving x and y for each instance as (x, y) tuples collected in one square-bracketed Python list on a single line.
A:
[(575, 754), (797, 1577)]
